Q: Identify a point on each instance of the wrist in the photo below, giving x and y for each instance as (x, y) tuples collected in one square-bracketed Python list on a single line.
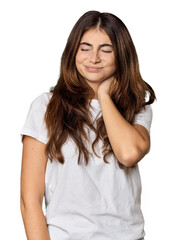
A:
[(103, 95)]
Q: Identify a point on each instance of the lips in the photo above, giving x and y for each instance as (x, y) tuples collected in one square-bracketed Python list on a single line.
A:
[(93, 68)]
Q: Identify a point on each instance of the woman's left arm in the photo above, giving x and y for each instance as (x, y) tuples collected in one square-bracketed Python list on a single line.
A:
[(129, 142)]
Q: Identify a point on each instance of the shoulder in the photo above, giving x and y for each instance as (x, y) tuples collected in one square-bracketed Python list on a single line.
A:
[(144, 117), (147, 109), (41, 101), (145, 112), (34, 125)]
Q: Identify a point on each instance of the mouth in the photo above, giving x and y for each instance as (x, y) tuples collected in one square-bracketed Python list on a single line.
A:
[(93, 68)]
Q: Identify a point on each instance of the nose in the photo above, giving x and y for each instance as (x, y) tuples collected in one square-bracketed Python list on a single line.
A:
[(94, 58)]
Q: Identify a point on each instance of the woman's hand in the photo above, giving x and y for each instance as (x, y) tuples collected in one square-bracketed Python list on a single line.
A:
[(105, 86)]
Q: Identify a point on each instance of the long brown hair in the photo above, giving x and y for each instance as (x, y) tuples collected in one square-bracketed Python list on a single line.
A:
[(68, 109)]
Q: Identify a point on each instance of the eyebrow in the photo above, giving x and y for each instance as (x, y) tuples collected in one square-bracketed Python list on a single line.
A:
[(102, 45)]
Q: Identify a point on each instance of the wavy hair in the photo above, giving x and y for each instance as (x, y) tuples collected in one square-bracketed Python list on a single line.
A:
[(67, 112)]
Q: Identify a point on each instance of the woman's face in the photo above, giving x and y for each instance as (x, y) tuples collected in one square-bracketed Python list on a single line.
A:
[(95, 58)]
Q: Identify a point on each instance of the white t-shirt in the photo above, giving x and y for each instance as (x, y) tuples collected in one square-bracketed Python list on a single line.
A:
[(94, 202)]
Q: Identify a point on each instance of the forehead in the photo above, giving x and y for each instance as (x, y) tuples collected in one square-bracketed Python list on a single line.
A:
[(96, 35)]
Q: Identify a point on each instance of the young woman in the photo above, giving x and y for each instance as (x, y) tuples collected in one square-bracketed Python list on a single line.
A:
[(83, 139)]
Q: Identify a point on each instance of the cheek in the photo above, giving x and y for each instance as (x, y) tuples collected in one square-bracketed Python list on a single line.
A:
[(111, 64), (114, 65), (79, 58), (109, 60), (78, 61)]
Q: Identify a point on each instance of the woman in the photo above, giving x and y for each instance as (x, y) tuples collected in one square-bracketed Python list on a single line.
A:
[(82, 140)]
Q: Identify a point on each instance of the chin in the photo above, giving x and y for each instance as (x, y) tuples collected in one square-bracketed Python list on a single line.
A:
[(94, 80), (93, 77)]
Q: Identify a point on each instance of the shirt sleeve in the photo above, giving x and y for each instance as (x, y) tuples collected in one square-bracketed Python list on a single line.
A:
[(144, 117), (34, 125)]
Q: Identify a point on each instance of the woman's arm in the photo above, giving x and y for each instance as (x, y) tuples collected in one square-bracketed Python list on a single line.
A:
[(129, 142), (32, 189)]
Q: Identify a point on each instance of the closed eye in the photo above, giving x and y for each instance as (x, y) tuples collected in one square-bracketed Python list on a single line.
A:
[(83, 49), (107, 51)]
